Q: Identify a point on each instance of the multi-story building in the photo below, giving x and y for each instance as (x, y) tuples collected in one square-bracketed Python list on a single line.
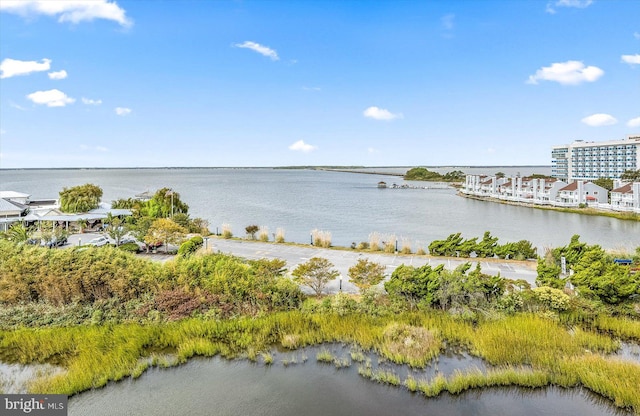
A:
[(587, 161)]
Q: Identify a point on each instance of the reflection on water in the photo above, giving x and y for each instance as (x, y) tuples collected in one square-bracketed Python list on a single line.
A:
[(15, 378), (298, 385)]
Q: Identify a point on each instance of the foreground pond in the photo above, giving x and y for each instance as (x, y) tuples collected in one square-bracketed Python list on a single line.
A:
[(296, 384)]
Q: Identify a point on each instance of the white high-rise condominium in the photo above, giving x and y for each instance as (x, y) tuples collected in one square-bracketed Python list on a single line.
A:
[(587, 161)]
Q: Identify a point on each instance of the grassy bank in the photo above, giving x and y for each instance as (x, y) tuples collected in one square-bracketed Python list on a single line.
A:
[(523, 349), (629, 216)]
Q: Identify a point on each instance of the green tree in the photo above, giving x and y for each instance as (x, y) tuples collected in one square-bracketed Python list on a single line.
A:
[(315, 273), (80, 198), (141, 227), (166, 231), (631, 175), (606, 183), (597, 276), (252, 230), (17, 233), (82, 223), (163, 204), (121, 203), (365, 274), (487, 247), (116, 229), (549, 272), (414, 284), (448, 247)]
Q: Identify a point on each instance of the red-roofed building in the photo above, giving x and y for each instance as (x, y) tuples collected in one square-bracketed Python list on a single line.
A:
[(626, 198)]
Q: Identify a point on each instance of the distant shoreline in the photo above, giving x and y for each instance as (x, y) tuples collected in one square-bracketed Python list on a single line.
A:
[(625, 216), (350, 169)]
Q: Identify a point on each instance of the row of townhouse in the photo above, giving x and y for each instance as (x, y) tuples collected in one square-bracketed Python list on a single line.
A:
[(554, 192)]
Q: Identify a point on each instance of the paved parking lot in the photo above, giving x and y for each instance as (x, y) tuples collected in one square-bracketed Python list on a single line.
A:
[(343, 259)]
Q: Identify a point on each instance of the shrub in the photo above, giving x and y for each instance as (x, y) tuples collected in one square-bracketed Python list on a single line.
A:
[(550, 298), (363, 245), (190, 246), (365, 273), (263, 234), (321, 238), (226, 231), (251, 231), (374, 241), (280, 235), (130, 247)]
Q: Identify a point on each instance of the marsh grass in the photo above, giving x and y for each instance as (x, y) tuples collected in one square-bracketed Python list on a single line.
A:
[(263, 233), (325, 356), (357, 355), (390, 243), (342, 362), (267, 358), (624, 328), (412, 345), (378, 375), (405, 246), (321, 238), (226, 231), (280, 235), (526, 350), (374, 241)]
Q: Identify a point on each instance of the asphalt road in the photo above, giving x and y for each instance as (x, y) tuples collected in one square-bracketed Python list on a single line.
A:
[(344, 259)]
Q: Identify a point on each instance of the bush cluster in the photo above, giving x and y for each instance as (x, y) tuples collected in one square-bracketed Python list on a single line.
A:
[(456, 246), (87, 276), (190, 246)]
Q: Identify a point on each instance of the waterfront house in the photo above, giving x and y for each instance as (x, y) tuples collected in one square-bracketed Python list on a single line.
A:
[(18, 207), (626, 198), (10, 212), (578, 192)]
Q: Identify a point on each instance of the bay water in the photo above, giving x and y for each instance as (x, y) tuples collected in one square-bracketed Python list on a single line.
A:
[(348, 205)]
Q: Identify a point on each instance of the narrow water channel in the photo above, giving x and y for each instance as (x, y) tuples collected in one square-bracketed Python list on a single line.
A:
[(296, 384)]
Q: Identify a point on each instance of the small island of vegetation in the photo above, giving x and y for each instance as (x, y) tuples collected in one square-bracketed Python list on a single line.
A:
[(424, 174)]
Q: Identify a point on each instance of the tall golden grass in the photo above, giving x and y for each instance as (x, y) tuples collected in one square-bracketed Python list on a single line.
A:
[(525, 349)]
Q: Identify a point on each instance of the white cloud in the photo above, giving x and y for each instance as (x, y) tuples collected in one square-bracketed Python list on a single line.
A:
[(262, 50), (58, 75), (600, 119), (301, 146), (373, 150), (636, 35), (16, 106), (51, 98), (89, 101), (447, 21), (579, 4), (634, 122), (122, 111), (91, 148), (566, 73), (380, 114), (13, 67), (312, 88), (74, 11), (631, 59)]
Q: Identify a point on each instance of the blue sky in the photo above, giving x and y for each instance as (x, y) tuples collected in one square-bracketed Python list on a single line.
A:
[(269, 83)]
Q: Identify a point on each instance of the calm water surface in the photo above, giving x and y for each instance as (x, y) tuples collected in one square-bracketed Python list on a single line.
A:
[(231, 388), (348, 205)]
